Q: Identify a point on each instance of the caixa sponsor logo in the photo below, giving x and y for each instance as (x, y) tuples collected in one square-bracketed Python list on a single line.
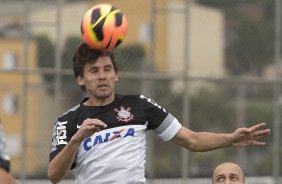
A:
[(90, 142), (61, 134)]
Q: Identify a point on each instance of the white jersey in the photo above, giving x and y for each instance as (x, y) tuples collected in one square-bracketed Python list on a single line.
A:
[(116, 154)]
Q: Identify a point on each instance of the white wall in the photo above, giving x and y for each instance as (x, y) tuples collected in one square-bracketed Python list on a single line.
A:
[(205, 39), (44, 20)]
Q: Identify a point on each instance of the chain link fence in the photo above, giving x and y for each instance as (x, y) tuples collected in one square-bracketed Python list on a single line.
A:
[(215, 65)]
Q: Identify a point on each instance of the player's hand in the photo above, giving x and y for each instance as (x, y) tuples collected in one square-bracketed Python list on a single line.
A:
[(88, 128), (250, 136)]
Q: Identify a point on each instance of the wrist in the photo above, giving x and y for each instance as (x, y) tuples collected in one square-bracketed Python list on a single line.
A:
[(229, 138), (75, 140)]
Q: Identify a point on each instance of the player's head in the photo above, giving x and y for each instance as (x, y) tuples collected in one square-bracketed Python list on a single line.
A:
[(228, 173), (85, 54)]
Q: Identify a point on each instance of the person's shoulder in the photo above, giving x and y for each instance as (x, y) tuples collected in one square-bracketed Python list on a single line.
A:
[(73, 110), (133, 97), (69, 117), (138, 98)]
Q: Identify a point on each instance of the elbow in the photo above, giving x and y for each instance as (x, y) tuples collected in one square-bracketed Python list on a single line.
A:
[(195, 148), (195, 144), (188, 139), (52, 176), (191, 145)]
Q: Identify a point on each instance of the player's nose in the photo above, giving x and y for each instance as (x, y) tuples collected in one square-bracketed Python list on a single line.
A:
[(101, 74)]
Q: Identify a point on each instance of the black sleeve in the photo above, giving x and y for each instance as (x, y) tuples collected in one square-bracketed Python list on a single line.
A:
[(5, 164), (154, 112), (62, 132)]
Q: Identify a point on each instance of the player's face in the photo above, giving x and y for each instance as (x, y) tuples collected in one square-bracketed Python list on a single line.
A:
[(228, 174), (99, 78)]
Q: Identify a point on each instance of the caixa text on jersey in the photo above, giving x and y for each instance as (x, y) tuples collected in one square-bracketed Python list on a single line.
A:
[(90, 142)]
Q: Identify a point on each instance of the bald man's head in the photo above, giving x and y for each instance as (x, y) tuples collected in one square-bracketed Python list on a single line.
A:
[(228, 173)]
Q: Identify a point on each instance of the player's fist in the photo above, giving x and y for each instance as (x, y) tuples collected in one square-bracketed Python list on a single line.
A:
[(88, 128)]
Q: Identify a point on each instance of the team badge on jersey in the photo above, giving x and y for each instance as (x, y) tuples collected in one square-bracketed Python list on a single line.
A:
[(124, 114)]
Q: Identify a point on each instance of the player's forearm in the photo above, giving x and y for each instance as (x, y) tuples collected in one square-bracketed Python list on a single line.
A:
[(201, 141), (61, 164), (206, 141)]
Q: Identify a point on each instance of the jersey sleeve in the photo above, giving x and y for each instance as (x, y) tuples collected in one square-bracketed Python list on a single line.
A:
[(162, 122), (168, 128), (4, 157), (5, 164), (62, 133)]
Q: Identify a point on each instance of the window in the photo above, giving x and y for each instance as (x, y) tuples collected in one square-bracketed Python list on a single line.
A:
[(10, 104), (10, 60), (144, 32)]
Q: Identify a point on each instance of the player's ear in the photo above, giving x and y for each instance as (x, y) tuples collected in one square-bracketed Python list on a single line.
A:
[(116, 78), (80, 80)]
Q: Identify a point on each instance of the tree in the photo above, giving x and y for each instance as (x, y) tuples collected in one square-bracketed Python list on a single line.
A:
[(69, 85), (46, 58)]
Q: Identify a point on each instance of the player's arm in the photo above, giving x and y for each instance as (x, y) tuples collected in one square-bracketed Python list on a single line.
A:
[(205, 141), (6, 177), (63, 161), (61, 164)]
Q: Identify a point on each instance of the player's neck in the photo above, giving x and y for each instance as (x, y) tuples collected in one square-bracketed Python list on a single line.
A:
[(92, 101)]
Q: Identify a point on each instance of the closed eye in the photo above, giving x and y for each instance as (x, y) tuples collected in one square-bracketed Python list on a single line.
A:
[(93, 70), (108, 68)]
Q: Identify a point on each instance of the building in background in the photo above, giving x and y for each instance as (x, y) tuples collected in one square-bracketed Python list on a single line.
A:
[(11, 93), (205, 32), (204, 41), (204, 53)]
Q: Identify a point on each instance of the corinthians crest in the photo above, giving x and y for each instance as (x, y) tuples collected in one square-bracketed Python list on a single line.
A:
[(124, 114)]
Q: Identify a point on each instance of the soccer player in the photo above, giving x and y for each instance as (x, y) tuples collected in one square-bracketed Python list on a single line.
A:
[(228, 173), (104, 137), (5, 175)]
